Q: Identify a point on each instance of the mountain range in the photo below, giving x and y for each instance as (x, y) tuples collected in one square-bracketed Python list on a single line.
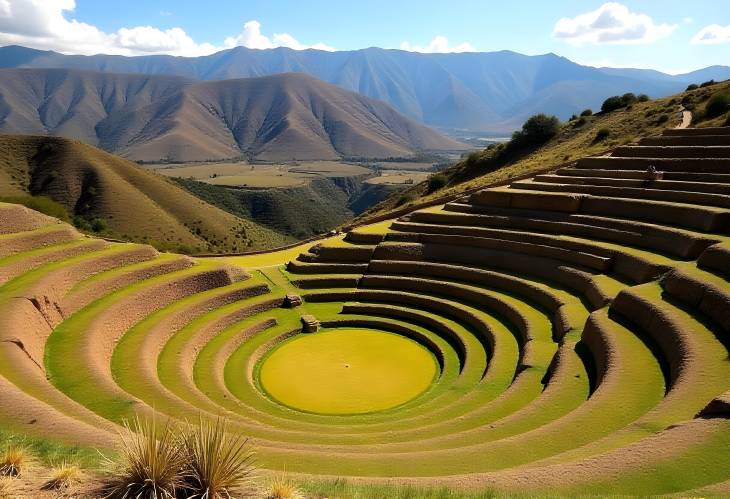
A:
[(485, 91), (172, 118)]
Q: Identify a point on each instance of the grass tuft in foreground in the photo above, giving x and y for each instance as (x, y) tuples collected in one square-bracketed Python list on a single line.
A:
[(14, 461), (280, 487), (150, 465), (63, 476), (219, 463)]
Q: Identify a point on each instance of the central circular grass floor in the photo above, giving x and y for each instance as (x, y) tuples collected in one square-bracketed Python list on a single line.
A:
[(347, 371)]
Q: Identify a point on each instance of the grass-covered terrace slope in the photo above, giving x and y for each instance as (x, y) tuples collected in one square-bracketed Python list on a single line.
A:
[(570, 331)]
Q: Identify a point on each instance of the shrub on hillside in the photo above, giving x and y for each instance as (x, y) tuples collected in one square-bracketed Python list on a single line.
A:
[(629, 98), (692, 86), (643, 98), (43, 204), (406, 198), (602, 134), (536, 131), (581, 121), (611, 104), (617, 102), (718, 104), (586, 112), (707, 83), (475, 157), (436, 182)]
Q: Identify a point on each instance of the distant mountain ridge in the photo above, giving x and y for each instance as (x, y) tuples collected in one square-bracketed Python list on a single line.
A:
[(492, 91), (160, 117)]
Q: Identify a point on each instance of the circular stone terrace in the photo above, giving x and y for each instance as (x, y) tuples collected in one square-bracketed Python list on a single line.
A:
[(565, 333)]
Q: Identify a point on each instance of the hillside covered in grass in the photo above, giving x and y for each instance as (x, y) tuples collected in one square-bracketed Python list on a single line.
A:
[(113, 197), (587, 134)]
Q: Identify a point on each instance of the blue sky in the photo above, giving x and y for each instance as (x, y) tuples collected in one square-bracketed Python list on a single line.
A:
[(670, 35)]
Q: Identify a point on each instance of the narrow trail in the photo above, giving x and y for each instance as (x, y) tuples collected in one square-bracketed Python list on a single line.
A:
[(686, 119)]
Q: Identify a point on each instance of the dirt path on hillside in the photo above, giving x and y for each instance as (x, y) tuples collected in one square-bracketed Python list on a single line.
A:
[(686, 119)]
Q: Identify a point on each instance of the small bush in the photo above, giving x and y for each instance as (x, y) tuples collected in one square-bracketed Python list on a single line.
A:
[(44, 204), (475, 157), (718, 104), (14, 461), (436, 182), (219, 463), (586, 112), (573, 117), (662, 119), (617, 102), (282, 488), (63, 476), (406, 198), (581, 121), (707, 83), (98, 225), (628, 98), (643, 98), (151, 461), (536, 131), (602, 134), (611, 104), (692, 86)]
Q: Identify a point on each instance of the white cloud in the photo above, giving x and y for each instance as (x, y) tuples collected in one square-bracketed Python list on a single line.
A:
[(440, 45), (252, 38), (712, 35), (43, 24), (612, 22)]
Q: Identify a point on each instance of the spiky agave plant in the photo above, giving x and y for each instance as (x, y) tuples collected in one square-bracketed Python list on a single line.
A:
[(219, 462), (151, 464)]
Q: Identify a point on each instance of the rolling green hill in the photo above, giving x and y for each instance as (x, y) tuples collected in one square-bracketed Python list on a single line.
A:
[(109, 195)]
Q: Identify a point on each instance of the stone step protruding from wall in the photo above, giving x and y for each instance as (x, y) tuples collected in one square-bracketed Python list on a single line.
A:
[(292, 300), (310, 324)]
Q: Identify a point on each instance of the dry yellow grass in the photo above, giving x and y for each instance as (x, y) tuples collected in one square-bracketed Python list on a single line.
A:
[(63, 476), (7, 487), (280, 487), (15, 460)]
